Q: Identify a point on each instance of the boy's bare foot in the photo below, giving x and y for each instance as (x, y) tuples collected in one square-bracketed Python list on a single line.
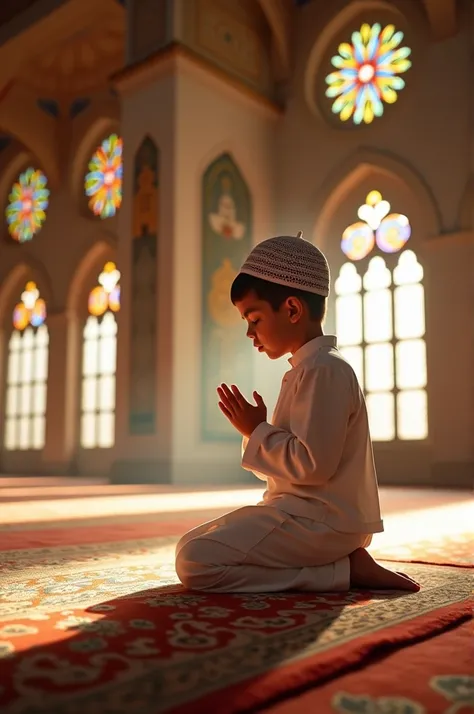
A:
[(366, 573)]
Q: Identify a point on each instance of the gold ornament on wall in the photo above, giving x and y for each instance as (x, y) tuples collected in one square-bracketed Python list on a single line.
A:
[(220, 307)]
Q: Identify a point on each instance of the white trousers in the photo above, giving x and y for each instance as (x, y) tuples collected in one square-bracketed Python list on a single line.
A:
[(261, 549)]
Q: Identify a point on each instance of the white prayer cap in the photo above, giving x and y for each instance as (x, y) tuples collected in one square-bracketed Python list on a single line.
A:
[(291, 261)]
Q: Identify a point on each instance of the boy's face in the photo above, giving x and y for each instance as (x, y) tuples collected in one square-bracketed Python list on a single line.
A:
[(271, 332)]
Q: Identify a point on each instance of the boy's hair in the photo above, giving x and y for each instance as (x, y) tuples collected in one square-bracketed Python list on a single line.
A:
[(276, 294)]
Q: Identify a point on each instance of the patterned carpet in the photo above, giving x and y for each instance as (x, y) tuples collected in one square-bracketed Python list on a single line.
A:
[(99, 623), (426, 682)]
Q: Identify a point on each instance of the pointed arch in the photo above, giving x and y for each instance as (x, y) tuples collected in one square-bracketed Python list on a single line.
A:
[(22, 118), (443, 18), (97, 128), (86, 274), (354, 170), (279, 15), (14, 284), (95, 335), (466, 207), (24, 366)]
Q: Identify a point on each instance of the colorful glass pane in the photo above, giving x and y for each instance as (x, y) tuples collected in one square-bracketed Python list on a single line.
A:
[(27, 204), (103, 182), (98, 301), (114, 299), (393, 233), (21, 317), (367, 72), (38, 313), (106, 295), (31, 310), (357, 241)]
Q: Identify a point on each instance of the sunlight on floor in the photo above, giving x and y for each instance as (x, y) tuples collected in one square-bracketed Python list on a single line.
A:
[(409, 515)]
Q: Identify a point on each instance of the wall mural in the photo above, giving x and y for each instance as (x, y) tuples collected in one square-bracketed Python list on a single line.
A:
[(143, 355), (226, 241)]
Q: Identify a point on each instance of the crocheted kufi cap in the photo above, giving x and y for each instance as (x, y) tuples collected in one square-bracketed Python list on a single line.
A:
[(292, 261)]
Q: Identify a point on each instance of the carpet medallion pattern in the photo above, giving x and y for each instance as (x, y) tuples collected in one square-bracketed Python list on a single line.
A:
[(107, 628)]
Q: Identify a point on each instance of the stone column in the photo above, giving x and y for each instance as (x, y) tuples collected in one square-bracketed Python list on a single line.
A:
[(145, 237), (191, 113)]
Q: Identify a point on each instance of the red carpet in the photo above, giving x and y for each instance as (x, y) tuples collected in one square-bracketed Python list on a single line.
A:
[(92, 618), (88, 627), (431, 677)]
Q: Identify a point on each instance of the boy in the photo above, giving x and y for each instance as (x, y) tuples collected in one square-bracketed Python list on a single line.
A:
[(321, 504)]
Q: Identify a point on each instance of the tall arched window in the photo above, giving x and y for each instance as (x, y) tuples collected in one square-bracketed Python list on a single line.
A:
[(99, 362), (27, 374), (380, 317)]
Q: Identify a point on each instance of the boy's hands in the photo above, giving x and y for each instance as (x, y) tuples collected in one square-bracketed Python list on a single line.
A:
[(243, 416)]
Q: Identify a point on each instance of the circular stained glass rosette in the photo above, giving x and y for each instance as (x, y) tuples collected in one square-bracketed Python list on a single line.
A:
[(357, 241), (393, 233), (103, 183), (27, 204), (367, 73)]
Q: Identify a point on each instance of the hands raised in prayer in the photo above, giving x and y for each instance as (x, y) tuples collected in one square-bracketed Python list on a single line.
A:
[(243, 416)]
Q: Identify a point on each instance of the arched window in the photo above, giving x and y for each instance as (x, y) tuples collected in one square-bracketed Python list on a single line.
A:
[(99, 358), (380, 318), (27, 374)]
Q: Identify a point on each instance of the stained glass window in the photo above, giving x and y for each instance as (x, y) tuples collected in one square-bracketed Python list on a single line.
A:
[(99, 358), (27, 374), (390, 231), (27, 204), (367, 73), (103, 182), (383, 339)]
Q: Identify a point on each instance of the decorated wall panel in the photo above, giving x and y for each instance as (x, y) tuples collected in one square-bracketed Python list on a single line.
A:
[(144, 282), (226, 352)]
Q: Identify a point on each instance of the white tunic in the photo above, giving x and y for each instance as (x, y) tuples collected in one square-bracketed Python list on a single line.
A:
[(316, 455)]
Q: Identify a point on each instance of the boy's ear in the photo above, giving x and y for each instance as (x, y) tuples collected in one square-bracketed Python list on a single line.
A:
[(294, 308)]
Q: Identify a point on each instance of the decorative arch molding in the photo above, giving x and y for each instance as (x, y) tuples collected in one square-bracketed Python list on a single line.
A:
[(14, 284), (34, 129), (361, 164), (442, 16), (466, 207), (279, 16), (86, 274), (408, 13)]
